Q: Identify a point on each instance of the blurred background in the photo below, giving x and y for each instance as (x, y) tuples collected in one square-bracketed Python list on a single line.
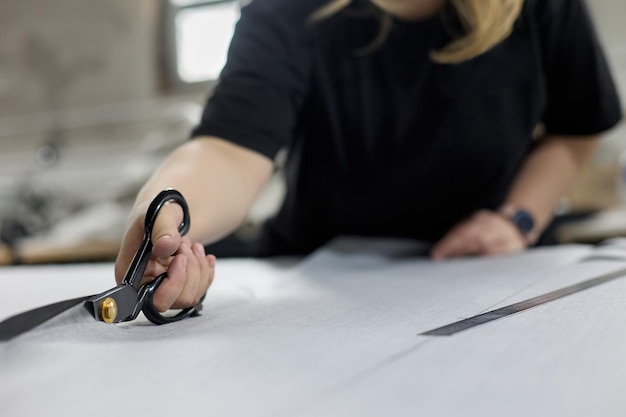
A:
[(93, 95)]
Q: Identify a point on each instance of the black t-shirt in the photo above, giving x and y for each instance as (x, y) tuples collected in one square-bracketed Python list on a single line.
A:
[(390, 143)]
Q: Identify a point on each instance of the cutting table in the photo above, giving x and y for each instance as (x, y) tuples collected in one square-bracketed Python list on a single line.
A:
[(337, 333)]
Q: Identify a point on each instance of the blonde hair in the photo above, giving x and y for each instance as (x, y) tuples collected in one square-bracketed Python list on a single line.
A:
[(485, 24)]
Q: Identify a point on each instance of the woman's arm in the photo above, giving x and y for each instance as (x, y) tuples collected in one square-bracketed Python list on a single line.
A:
[(546, 175), (219, 181)]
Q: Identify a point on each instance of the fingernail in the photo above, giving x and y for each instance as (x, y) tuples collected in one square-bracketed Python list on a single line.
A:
[(164, 237), (212, 260)]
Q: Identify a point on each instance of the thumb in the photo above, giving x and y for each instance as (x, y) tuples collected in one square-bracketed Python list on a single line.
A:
[(165, 236)]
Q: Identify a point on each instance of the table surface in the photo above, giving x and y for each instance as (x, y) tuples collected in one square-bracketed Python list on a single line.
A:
[(333, 334)]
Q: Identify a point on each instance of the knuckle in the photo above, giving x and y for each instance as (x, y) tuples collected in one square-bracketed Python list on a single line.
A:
[(193, 258), (198, 249), (167, 220)]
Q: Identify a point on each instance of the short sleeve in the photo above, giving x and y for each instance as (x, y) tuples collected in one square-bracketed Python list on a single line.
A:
[(582, 98), (264, 83)]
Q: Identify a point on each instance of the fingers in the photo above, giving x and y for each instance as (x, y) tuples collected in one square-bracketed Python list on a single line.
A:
[(165, 241), (207, 271), (172, 286), (189, 276), (484, 233), (199, 277)]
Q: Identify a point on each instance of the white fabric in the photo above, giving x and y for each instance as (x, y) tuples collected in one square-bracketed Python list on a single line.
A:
[(335, 334)]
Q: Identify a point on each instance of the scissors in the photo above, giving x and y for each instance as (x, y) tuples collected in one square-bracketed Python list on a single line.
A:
[(125, 301)]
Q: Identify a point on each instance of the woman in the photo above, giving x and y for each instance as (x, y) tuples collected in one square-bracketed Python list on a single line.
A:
[(457, 122)]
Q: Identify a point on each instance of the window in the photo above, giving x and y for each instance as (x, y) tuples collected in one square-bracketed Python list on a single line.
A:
[(197, 36)]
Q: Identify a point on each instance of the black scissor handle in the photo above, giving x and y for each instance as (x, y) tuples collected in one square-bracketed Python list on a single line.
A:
[(139, 262), (159, 201), (152, 314)]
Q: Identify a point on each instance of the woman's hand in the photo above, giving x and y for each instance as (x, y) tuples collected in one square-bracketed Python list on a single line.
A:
[(189, 270), (483, 233)]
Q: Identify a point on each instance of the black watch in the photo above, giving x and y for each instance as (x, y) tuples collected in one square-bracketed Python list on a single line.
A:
[(522, 219)]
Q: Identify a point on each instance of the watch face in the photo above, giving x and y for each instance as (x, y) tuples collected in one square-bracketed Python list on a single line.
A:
[(524, 221)]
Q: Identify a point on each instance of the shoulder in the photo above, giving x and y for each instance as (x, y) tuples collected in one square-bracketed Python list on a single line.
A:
[(562, 23), (547, 11)]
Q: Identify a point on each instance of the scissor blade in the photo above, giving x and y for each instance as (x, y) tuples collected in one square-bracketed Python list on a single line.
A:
[(23, 322)]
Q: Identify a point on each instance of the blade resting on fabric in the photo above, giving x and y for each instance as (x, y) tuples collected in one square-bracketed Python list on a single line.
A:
[(23, 322), (125, 301)]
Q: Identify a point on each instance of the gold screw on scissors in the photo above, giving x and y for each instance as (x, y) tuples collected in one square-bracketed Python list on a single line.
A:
[(108, 310)]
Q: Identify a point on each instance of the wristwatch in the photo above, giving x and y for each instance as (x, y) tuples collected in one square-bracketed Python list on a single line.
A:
[(522, 219)]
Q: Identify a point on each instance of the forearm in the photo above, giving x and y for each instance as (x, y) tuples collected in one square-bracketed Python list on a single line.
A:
[(219, 180), (549, 171)]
